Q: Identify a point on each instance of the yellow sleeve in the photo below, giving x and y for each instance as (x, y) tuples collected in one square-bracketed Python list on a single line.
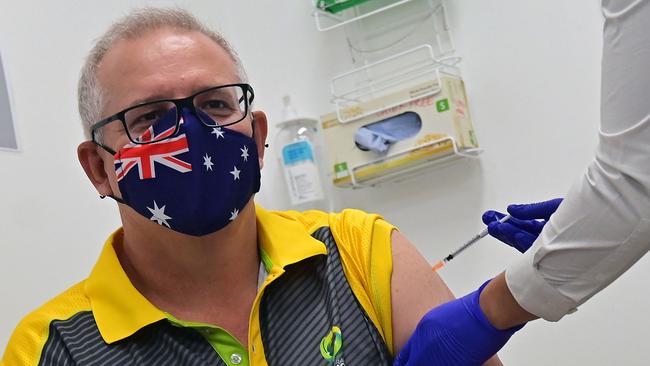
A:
[(26, 342), (364, 243), (29, 337)]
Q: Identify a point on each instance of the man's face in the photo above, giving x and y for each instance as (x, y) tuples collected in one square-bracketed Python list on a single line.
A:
[(163, 64)]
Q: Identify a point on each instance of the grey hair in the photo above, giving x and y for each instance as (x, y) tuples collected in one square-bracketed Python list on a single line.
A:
[(134, 25)]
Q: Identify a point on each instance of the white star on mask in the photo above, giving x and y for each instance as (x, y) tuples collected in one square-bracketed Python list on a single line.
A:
[(207, 161), (235, 173), (159, 214), (217, 131), (233, 215), (244, 153)]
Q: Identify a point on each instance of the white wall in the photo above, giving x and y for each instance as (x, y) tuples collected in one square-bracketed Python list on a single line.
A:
[(532, 75)]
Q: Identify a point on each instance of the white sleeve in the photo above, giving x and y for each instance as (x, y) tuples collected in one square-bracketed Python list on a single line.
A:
[(603, 226)]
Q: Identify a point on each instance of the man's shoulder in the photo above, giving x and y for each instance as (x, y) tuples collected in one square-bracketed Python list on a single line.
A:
[(359, 228), (61, 307), (310, 220), (358, 235), (315, 219), (32, 332)]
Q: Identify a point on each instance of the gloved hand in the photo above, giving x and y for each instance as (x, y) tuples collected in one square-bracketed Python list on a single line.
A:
[(456, 333), (526, 223)]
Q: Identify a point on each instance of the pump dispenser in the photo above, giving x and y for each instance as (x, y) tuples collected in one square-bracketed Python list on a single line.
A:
[(300, 144)]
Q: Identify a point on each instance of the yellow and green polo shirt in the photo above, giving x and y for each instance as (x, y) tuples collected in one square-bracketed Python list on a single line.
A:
[(324, 300)]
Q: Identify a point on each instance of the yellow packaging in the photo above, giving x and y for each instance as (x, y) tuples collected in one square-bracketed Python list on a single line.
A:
[(445, 120)]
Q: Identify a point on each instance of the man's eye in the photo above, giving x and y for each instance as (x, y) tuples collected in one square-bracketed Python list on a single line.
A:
[(138, 123), (147, 117), (215, 105)]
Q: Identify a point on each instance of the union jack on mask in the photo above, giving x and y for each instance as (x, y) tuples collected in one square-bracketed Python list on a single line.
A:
[(196, 181)]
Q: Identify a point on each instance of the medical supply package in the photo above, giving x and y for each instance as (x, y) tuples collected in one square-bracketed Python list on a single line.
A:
[(400, 137)]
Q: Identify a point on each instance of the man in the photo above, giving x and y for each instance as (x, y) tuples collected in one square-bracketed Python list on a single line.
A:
[(198, 274)]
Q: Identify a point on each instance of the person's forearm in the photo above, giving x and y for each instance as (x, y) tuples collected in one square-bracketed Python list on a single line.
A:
[(500, 307)]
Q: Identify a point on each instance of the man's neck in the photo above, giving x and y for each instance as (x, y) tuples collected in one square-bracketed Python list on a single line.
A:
[(194, 278)]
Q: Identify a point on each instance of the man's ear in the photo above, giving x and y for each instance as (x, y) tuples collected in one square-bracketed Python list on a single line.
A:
[(93, 164), (261, 127)]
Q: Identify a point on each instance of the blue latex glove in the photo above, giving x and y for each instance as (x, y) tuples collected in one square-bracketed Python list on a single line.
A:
[(456, 333), (528, 220), (380, 136), (374, 141)]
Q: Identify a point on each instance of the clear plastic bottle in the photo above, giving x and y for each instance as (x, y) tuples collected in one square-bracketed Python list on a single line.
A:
[(299, 144)]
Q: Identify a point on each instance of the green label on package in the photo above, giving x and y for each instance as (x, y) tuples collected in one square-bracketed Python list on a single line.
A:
[(442, 105), (341, 169)]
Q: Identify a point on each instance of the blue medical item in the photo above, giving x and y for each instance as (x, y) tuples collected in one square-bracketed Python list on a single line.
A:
[(368, 140), (455, 333), (528, 220), (379, 136)]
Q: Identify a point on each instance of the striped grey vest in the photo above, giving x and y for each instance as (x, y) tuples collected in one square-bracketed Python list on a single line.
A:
[(308, 316), (300, 308)]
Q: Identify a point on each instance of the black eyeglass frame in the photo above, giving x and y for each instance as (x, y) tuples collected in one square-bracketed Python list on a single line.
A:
[(187, 102)]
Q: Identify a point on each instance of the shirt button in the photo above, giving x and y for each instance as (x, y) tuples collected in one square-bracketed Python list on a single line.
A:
[(235, 359)]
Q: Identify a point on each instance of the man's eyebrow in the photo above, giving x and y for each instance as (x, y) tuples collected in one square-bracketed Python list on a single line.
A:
[(148, 99), (157, 97)]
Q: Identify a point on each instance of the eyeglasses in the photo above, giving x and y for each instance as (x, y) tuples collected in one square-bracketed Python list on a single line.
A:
[(221, 106)]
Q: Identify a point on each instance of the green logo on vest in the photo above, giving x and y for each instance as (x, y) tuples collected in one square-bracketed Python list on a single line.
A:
[(331, 344)]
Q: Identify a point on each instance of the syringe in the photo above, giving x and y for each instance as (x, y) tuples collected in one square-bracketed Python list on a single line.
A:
[(469, 243)]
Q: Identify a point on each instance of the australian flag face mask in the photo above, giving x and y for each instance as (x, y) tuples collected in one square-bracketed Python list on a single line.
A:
[(194, 182)]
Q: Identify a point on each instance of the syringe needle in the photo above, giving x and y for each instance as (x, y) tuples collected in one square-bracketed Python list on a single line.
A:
[(468, 244)]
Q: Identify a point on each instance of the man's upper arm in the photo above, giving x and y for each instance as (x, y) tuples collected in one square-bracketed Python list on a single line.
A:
[(415, 289), (26, 342)]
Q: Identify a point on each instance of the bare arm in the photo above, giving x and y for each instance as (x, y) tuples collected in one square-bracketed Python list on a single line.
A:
[(500, 307), (415, 289)]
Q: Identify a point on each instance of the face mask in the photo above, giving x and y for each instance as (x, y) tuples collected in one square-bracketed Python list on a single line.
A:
[(195, 182)]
